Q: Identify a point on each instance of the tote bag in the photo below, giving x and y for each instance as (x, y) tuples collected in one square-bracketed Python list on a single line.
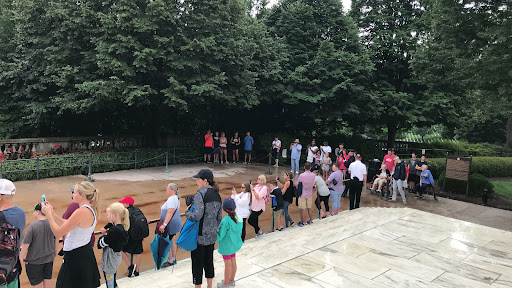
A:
[(188, 235)]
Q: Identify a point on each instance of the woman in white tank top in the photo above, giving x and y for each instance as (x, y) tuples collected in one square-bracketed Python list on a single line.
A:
[(79, 269)]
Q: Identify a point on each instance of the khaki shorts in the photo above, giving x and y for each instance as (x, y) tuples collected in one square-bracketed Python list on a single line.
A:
[(278, 214), (305, 203)]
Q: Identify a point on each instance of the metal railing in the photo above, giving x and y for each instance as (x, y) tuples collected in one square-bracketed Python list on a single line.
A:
[(87, 164)]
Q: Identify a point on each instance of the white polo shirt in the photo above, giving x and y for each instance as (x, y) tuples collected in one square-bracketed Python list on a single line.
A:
[(357, 169)]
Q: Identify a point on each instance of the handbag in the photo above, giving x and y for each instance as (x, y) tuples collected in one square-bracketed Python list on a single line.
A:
[(188, 235), (160, 223), (299, 190)]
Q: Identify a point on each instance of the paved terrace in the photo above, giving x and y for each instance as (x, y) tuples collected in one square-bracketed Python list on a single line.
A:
[(367, 247)]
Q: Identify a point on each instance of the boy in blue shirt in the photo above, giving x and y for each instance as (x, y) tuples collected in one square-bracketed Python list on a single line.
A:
[(426, 180), (249, 141)]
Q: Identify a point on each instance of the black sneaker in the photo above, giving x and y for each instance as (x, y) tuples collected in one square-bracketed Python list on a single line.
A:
[(166, 264), (136, 273), (131, 268)]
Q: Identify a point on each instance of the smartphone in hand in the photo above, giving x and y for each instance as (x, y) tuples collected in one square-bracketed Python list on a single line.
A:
[(43, 197)]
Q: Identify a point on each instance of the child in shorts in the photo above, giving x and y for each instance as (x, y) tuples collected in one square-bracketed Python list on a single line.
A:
[(113, 240), (277, 194), (326, 166), (38, 250), (229, 236)]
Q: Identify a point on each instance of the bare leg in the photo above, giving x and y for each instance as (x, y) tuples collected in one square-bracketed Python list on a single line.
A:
[(227, 271), (310, 213), (47, 283), (302, 216), (209, 282), (126, 258), (138, 261), (233, 269)]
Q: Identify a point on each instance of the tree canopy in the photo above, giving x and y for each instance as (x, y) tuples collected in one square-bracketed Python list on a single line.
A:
[(301, 66)]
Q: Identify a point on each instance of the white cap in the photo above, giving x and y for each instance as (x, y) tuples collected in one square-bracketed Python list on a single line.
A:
[(7, 187)]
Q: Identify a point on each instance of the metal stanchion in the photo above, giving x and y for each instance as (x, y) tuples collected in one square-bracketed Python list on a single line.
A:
[(37, 168), (89, 175), (167, 163), (269, 163), (272, 227), (135, 157)]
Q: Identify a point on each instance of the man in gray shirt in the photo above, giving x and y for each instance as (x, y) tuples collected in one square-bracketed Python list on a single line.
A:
[(38, 250)]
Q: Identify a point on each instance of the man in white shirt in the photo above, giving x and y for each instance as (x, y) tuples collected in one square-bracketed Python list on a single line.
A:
[(325, 148), (358, 181), (276, 147), (312, 149)]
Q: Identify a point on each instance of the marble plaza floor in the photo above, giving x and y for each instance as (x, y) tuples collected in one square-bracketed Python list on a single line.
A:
[(367, 247)]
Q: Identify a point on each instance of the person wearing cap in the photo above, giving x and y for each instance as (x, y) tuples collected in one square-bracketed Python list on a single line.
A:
[(208, 210), (230, 241), (171, 219), (13, 214), (296, 150), (38, 250), (133, 247)]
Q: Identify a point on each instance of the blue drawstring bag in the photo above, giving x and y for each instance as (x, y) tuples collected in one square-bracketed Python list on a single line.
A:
[(188, 235)]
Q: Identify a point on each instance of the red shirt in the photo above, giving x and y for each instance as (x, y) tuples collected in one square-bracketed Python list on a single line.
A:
[(389, 162), (208, 142)]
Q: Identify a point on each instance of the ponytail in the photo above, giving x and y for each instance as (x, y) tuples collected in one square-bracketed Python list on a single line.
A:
[(91, 194), (214, 185), (125, 219), (232, 215)]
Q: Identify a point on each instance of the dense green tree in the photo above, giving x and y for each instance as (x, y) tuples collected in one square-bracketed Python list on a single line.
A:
[(463, 59), (390, 31), (327, 67)]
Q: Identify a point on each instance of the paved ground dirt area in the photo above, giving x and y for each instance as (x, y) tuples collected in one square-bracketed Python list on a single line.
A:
[(147, 187)]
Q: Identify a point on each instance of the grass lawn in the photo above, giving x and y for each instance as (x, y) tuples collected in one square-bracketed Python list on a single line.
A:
[(503, 188)]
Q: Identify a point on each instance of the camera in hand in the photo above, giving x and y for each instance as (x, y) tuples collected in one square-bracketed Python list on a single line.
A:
[(189, 200)]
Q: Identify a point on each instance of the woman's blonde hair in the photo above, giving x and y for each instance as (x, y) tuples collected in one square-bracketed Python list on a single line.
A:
[(263, 179), (91, 194), (174, 187), (118, 209)]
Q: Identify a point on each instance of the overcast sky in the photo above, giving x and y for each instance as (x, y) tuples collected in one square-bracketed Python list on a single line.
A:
[(346, 4)]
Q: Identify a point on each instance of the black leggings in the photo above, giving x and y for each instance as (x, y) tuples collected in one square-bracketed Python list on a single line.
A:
[(324, 199), (253, 220), (202, 258), (243, 229), (107, 280)]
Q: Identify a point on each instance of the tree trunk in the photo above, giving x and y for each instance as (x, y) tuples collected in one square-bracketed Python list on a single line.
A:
[(392, 130), (509, 132), (152, 127)]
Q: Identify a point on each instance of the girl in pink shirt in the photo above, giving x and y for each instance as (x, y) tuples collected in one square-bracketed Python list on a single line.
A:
[(258, 203)]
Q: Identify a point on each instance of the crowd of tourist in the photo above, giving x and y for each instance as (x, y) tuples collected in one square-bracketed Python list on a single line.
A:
[(322, 182)]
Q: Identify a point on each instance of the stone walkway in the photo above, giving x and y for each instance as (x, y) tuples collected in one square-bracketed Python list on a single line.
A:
[(367, 247)]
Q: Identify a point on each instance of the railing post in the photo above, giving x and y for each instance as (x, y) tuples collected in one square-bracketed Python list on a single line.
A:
[(167, 163), (269, 163), (135, 156), (37, 168), (89, 175)]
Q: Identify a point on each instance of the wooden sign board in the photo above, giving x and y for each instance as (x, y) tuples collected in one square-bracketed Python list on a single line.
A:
[(458, 168)]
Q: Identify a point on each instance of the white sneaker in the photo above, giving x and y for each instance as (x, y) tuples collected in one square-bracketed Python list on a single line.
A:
[(227, 162)]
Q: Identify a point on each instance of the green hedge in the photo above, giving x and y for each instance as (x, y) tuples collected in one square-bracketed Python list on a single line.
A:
[(57, 165), (487, 166), (477, 184)]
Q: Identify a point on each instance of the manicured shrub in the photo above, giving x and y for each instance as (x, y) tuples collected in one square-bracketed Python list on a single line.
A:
[(487, 166), (477, 184)]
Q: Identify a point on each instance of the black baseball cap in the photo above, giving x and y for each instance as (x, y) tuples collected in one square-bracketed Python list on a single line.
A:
[(37, 207), (204, 174)]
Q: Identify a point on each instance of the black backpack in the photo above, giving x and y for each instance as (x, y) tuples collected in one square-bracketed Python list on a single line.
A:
[(139, 228), (10, 240)]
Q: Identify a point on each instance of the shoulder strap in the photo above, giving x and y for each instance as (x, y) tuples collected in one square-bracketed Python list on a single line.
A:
[(2, 217)]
